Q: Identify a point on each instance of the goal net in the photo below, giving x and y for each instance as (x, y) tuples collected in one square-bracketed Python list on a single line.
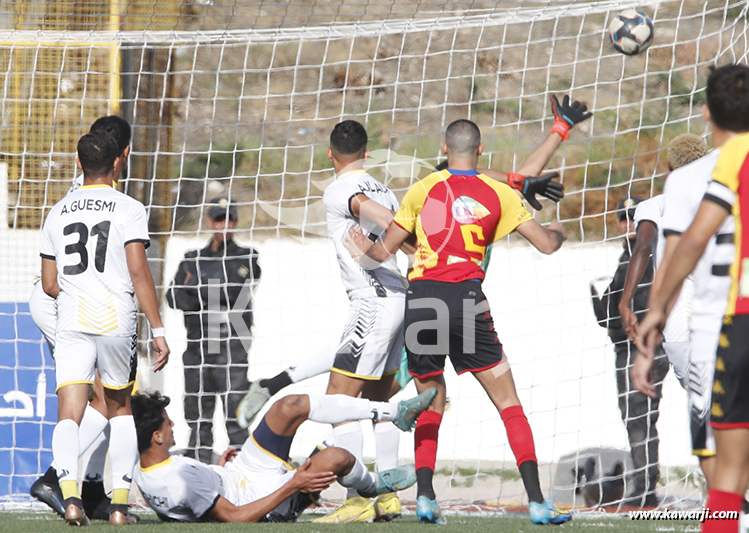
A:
[(238, 98)]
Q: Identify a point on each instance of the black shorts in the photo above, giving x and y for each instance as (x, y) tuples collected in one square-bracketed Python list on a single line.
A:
[(435, 327), (730, 402)]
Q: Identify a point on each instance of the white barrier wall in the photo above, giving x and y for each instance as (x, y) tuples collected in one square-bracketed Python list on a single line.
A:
[(562, 361)]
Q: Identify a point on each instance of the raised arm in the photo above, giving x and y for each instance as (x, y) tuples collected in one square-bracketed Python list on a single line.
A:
[(140, 274), (646, 232)]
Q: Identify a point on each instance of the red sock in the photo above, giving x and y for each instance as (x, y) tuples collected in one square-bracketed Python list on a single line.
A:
[(425, 439), (519, 434), (722, 501)]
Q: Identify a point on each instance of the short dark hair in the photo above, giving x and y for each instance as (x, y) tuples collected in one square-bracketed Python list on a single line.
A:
[(462, 138), (728, 97), (118, 127), (97, 151), (148, 413), (349, 138)]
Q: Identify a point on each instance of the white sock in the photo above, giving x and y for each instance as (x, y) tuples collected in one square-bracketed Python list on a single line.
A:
[(387, 438), (95, 457), (123, 450), (65, 450), (359, 479), (350, 438), (93, 424), (311, 366), (337, 408)]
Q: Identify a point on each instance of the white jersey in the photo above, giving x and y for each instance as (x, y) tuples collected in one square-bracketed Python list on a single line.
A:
[(181, 488), (683, 194), (677, 325), (86, 233), (337, 200), (184, 489)]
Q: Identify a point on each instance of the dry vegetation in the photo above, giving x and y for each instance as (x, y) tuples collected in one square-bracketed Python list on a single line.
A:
[(257, 115)]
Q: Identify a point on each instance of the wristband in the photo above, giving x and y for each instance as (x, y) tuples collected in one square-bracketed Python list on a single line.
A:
[(157, 332), (562, 128), (515, 180)]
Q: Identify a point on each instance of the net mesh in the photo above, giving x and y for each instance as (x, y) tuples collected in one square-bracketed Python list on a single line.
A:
[(239, 98)]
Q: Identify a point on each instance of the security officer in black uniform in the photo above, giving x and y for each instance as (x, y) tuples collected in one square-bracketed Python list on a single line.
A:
[(639, 413), (214, 288)]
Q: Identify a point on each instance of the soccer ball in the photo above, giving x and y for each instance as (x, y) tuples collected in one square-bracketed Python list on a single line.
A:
[(631, 32)]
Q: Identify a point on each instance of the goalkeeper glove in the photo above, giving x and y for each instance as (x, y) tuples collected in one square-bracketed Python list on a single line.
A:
[(531, 186), (567, 115)]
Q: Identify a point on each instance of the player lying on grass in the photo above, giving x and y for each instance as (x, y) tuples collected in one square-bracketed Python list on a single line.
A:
[(257, 483)]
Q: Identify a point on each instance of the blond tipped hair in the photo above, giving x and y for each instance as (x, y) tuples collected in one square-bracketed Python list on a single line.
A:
[(685, 148)]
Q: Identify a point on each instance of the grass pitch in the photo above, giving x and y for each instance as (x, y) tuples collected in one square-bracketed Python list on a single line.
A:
[(17, 522)]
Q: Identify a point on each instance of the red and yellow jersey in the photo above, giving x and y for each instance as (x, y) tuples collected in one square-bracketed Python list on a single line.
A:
[(730, 188), (456, 216)]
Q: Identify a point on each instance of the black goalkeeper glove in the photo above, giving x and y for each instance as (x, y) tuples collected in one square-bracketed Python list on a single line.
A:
[(441, 166), (567, 115), (531, 186)]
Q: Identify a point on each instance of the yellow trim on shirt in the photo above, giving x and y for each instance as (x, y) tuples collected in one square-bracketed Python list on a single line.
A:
[(355, 171), (96, 186), (154, 467)]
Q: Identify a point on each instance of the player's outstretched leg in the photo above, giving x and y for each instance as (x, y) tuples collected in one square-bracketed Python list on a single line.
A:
[(263, 389)]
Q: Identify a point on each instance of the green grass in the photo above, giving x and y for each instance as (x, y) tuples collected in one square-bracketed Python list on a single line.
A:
[(43, 522)]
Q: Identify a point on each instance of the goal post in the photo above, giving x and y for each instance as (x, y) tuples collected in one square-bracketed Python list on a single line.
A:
[(238, 97)]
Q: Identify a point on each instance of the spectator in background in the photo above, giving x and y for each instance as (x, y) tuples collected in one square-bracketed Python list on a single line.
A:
[(639, 413), (214, 288)]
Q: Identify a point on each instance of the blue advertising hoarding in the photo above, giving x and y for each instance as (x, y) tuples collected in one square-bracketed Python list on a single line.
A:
[(28, 404)]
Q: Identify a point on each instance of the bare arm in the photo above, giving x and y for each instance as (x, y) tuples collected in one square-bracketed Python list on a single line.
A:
[(304, 480), (546, 240), (540, 157), (390, 243), (137, 264), (49, 277), (646, 232), (690, 248), (366, 209)]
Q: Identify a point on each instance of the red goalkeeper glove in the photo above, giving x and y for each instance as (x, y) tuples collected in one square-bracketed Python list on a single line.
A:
[(567, 115), (531, 186)]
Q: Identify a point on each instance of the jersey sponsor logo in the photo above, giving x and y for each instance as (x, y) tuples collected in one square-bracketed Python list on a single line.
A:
[(466, 210), (89, 204)]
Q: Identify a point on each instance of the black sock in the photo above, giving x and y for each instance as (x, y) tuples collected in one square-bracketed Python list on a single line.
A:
[(93, 491), (114, 507), (529, 473), (276, 383), (77, 501), (50, 476), (424, 483)]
